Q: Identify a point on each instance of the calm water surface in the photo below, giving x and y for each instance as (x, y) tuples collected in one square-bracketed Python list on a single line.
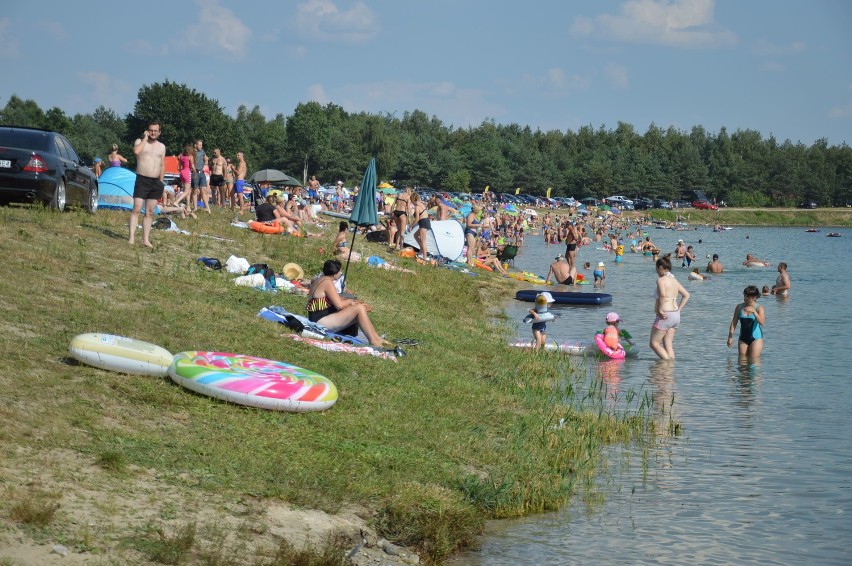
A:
[(762, 470)]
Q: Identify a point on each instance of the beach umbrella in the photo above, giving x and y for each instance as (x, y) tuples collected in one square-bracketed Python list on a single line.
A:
[(385, 185), (274, 176), (364, 211)]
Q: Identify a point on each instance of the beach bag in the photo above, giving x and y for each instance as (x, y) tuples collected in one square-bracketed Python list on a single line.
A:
[(210, 262), (267, 273)]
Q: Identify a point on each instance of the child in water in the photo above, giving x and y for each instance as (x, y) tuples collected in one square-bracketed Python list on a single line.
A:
[(619, 251), (611, 332), (539, 327), (600, 274), (765, 291)]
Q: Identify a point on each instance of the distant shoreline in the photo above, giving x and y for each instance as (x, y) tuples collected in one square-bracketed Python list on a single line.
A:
[(782, 217)]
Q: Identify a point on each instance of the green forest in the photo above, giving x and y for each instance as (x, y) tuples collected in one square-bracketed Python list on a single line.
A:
[(740, 167)]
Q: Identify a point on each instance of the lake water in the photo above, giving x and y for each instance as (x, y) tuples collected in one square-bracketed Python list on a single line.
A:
[(762, 469)]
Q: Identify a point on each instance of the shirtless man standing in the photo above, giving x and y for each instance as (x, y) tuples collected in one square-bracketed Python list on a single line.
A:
[(150, 168), (782, 284), (217, 177), (239, 184), (572, 238), (563, 274)]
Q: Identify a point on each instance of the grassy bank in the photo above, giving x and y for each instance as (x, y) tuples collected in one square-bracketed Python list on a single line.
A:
[(758, 216), (129, 468)]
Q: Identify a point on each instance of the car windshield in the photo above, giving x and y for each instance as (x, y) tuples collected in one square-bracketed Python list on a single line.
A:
[(24, 139)]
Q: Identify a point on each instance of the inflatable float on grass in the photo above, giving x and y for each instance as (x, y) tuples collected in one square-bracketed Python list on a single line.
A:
[(254, 382), (267, 227), (121, 354)]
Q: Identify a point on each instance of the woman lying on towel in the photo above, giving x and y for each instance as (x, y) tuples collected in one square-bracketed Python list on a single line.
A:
[(328, 308)]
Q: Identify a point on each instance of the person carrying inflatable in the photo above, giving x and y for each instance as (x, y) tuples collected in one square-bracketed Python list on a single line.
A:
[(540, 316)]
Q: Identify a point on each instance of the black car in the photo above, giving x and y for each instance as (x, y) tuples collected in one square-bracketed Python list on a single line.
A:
[(808, 204), (40, 165), (643, 203)]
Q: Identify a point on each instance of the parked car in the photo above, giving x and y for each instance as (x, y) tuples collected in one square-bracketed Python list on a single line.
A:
[(591, 201), (643, 203), (619, 200), (682, 204), (663, 203), (40, 165), (704, 205), (808, 204)]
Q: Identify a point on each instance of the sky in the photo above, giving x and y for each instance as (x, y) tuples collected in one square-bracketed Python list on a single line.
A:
[(781, 67)]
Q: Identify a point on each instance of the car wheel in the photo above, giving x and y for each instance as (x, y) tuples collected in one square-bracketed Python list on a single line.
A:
[(92, 203), (58, 200)]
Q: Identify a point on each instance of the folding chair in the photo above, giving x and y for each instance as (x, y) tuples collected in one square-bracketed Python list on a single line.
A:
[(507, 254)]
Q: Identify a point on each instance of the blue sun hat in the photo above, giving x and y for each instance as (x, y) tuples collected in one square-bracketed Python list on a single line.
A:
[(97, 160)]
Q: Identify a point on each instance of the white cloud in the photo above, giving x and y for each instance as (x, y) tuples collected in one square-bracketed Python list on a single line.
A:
[(316, 93), (102, 89), (764, 47), (323, 20), (8, 44), (617, 75), (841, 111), (678, 23), (220, 29)]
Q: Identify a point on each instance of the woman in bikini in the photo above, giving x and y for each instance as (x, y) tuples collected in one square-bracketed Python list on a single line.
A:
[(471, 227), (328, 308), (421, 217), (667, 310), (399, 222), (115, 159)]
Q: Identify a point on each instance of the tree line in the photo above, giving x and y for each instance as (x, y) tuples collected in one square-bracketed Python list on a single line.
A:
[(741, 168)]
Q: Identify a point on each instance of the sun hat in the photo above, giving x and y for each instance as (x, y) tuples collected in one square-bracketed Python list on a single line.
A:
[(601, 264), (547, 297), (613, 317), (559, 257), (340, 182), (293, 271)]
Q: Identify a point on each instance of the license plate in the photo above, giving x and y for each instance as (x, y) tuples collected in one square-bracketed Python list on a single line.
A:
[(5, 164)]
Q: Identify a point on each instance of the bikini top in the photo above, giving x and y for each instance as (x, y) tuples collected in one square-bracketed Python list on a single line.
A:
[(657, 291)]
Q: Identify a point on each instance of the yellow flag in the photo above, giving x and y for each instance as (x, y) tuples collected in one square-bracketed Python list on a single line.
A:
[(548, 191), (518, 191), (486, 189)]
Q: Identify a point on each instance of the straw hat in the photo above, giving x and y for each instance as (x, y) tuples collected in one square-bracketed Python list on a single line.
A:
[(293, 271)]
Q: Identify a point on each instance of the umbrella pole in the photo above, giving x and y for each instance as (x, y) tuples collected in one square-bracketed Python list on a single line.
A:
[(348, 258)]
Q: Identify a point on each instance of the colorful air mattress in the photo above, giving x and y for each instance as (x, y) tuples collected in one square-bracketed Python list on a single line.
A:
[(251, 381)]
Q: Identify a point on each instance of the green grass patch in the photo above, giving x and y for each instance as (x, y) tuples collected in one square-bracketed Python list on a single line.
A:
[(462, 429)]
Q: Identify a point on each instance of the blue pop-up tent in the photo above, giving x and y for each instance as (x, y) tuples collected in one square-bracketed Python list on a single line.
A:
[(115, 189)]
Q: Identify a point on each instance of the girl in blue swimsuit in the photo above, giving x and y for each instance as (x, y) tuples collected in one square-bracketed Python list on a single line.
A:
[(751, 318)]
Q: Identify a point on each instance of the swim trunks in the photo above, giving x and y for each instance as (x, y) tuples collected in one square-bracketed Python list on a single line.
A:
[(598, 274), (424, 223), (672, 320), (568, 281), (217, 180), (542, 326), (148, 188), (238, 185)]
